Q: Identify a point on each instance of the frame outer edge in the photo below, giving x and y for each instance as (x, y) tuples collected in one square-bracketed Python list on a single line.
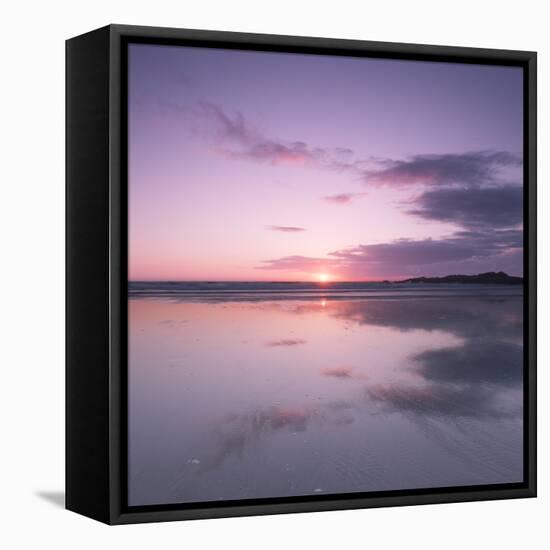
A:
[(87, 312), (117, 34)]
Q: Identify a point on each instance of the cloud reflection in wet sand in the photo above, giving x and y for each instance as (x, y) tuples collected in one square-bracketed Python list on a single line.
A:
[(238, 433), (454, 392), (463, 381), (343, 373)]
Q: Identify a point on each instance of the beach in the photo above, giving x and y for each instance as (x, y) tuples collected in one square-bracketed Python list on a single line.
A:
[(262, 390)]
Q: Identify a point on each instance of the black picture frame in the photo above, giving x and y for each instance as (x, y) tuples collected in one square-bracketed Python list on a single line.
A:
[(96, 276)]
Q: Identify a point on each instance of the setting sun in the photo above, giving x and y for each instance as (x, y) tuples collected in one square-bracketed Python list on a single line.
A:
[(323, 277)]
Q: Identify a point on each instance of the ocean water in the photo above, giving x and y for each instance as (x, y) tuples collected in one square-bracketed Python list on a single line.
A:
[(258, 390)]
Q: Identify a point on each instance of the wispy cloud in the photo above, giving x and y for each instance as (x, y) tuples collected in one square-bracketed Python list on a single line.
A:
[(285, 342), (296, 263), (285, 228), (237, 138), (343, 198)]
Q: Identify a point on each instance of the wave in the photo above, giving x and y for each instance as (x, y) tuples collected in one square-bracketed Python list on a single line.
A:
[(264, 291)]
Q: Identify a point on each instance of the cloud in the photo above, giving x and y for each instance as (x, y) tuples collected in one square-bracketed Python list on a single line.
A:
[(469, 190), (343, 198), (295, 263), (464, 245), (227, 127), (468, 169), (463, 251), (285, 342), (407, 252), (285, 228), (236, 138), (491, 207)]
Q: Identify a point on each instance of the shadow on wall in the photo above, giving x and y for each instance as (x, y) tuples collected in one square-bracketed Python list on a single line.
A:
[(56, 498)]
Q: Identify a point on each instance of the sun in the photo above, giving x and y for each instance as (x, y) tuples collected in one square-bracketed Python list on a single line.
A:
[(323, 277)]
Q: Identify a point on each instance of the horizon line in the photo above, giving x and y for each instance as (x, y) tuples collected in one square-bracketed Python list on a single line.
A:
[(321, 283)]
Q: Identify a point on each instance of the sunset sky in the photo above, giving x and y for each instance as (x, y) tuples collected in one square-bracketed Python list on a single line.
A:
[(268, 166)]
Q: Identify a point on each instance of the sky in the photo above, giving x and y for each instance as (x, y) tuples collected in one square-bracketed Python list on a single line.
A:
[(261, 166)]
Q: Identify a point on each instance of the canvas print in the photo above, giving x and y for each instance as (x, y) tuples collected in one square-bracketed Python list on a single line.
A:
[(325, 275)]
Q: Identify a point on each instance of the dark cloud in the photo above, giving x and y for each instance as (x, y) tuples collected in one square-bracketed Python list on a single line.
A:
[(465, 251), (467, 190), (343, 198), (407, 252), (403, 254), (487, 207), (469, 169), (285, 228)]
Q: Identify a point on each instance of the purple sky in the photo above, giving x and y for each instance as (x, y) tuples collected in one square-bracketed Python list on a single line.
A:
[(271, 166)]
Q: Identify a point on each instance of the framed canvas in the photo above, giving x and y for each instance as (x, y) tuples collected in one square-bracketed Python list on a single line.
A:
[(300, 274)]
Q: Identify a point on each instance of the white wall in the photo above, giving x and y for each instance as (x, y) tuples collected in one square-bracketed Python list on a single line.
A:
[(32, 272)]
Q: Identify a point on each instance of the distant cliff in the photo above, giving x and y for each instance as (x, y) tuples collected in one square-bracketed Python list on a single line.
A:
[(490, 278)]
